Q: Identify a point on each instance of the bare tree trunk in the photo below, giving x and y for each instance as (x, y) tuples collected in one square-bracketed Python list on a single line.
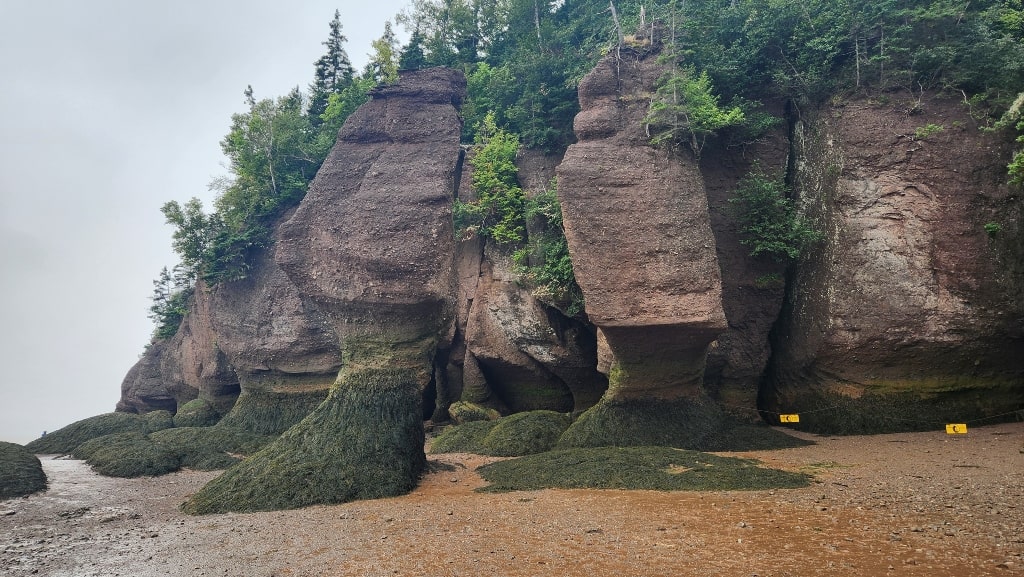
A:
[(615, 18)]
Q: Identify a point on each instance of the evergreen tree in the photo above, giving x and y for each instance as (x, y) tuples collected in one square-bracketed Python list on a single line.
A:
[(413, 57), (333, 71)]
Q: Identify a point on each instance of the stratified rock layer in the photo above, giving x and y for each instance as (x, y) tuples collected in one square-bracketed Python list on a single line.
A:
[(636, 218), (908, 315), (372, 246)]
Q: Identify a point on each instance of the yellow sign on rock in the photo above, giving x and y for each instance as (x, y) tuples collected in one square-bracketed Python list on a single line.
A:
[(789, 418), (956, 429)]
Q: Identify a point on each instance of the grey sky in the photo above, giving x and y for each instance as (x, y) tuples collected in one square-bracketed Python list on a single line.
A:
[(108, 109)]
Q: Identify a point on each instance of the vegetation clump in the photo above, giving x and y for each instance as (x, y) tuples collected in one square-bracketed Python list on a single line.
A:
[(66, 440), (465, 438), (519, 434), (209, 448), (698, 425), (769, 220), (130, 454), (21, 473), (657, 468), (196, 413), (525, 433)]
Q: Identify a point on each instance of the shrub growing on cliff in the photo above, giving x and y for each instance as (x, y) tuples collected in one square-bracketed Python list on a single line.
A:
[(685, 109), (544, 262), (498, 211), (769, 220)]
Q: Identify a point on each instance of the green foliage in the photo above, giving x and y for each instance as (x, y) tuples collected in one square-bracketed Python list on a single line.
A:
[(333, 71), (498, 211), (21, 473), (636, 468), (67, 439), (544, 263), (172, 294), (923, 132), (769, 220), (993, 229), (383, 65), (685, 108)]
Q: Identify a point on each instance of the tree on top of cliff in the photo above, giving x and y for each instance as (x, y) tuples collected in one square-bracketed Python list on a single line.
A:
[(333, 73)]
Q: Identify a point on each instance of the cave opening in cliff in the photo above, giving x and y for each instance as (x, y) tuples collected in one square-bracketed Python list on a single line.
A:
[(430, 399)]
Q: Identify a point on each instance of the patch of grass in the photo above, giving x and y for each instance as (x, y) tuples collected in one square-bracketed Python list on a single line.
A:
[(464, 438), (21, 473), (129, 454), (67, 439), (658, 468), (196, 413), (364, 442), (525, 434), (696, 424), (269, 413), (210, 448)]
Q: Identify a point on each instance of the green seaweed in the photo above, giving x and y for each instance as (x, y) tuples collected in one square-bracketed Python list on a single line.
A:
[(129, 454), (271, 413), (196, 413), (525, 433), (657, 468), (364, 442), (67, 439), (21, 473)]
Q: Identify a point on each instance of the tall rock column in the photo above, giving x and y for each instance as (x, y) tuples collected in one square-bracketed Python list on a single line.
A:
[(372, 247), (636, 218)]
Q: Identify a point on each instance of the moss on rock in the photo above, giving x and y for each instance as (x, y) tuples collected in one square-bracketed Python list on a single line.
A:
[(660, 468), (270, 413), (695, 424), (21, 473), (364, 442), (67, 439), (196, 413)]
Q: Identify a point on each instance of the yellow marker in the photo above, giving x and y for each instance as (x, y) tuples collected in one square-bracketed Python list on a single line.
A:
[(956, 429), (789, 418)]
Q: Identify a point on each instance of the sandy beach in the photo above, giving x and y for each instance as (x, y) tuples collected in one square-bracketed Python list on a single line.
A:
[(901, 504)]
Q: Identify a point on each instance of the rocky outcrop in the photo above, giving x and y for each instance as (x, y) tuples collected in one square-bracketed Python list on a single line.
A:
[(905, 317), (372, 246), (636, 218), (144, 388)]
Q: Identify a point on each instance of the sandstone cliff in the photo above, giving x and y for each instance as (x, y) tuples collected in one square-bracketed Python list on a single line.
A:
[(909, 314), (368, 316)]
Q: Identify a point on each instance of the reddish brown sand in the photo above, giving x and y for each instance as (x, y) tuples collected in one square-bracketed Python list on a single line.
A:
[(904, 504)]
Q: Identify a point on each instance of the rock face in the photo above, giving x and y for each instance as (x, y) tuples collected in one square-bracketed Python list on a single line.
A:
[(636, 218), (909, 314), (372, 246), (143, 388)]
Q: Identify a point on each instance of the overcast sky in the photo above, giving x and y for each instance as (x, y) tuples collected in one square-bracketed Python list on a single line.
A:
[(108, 109)]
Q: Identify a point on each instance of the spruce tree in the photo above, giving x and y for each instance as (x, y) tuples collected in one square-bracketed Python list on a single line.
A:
[(334, 71)]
